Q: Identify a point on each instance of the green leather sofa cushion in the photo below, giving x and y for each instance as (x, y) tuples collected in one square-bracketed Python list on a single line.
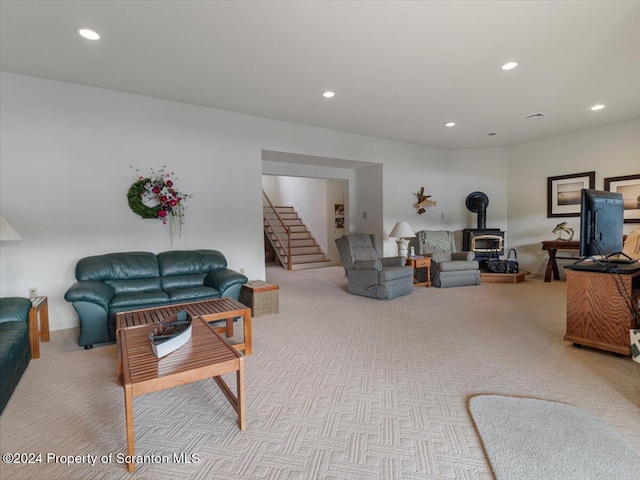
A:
[(186, 262), (192, 293), (136, 285), (138, 300), (183, 281), (118, 266)]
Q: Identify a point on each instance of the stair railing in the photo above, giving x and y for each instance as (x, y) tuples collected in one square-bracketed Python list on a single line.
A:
[(280, 223)]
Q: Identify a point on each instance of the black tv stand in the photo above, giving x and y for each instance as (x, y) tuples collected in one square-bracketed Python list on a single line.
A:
[(620, 258), (591, 264)]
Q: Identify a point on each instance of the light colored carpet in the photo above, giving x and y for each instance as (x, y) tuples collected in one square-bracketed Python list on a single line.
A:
[(531, 439), (338, 387)]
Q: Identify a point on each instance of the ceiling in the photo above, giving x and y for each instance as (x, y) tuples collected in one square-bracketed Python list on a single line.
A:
[(400, 70)]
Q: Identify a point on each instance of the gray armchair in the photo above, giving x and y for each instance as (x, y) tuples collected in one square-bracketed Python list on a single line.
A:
[(368, 273), (449, 268)]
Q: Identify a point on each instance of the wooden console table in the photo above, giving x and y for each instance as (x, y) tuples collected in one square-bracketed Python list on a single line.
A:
[(597, 313), (552, 247)]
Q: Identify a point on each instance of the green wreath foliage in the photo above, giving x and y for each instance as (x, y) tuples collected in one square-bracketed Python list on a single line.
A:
[(135, 200)]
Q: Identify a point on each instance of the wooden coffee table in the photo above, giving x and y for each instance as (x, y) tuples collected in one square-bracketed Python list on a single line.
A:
[(205, 355), (209, 310)]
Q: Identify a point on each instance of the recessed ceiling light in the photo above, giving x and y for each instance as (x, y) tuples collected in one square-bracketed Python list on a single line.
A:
[(328, 94), (597, 107), (88, 34), (509, 65), (450, 124)]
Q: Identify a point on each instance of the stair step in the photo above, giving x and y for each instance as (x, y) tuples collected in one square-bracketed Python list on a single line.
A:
[(301, 250), (307, 257), (308, 265), (303, 242), (296, 239), (296, 232)]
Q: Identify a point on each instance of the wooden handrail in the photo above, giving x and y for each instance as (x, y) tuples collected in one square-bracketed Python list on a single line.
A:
[(286, 227)]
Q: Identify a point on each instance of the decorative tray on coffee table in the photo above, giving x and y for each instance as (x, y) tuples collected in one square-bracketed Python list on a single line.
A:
[(170, 334)]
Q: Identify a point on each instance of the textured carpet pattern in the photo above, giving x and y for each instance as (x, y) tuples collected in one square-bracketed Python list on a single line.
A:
[(532, 439), (338, 387)]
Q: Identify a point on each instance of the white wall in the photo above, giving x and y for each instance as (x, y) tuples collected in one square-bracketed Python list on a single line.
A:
[(609, 151), (66, 152)]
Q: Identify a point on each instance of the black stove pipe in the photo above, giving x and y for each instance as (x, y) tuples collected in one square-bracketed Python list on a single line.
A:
[(482, 216), (477, 202)]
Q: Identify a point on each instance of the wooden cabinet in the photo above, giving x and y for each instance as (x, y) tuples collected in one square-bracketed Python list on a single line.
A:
[(598, 309)]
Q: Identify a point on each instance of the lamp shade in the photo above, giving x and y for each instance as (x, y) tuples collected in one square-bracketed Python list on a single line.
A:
[(7, 232), (401, 230)]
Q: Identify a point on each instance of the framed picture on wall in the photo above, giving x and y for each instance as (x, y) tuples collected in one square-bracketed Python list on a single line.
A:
[(563, 193), (339, 209), (339, 222), (629, 187)]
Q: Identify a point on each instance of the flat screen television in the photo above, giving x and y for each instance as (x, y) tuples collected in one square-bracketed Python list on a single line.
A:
[(601, 221)]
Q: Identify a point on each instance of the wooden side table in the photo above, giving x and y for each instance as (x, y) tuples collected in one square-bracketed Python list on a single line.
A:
[(261, 297), (38, 324), (416, 263)]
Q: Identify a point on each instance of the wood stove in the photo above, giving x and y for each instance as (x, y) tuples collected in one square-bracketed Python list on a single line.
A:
[(482, 241)]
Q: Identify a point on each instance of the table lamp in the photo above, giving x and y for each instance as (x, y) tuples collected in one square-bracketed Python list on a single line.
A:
[(402, 231), (7, 232)]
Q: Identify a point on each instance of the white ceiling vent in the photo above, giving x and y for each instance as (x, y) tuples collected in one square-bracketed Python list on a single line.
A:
[(534, 115)]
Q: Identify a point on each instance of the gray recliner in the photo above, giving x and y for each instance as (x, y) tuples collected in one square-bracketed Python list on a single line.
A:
[(449, 268), (368, 273)]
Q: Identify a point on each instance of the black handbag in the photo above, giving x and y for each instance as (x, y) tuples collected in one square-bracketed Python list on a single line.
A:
[(512, 264), (495, 265)]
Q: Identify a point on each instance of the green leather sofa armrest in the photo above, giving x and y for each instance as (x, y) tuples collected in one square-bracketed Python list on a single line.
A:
[(224, 279), (14, 309), (90, 291)]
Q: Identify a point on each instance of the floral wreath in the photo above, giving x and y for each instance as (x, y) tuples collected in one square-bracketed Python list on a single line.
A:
[(155, 196)]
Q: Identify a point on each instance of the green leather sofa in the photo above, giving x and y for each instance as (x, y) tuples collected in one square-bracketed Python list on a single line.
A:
[(119, 282), (15, 349)]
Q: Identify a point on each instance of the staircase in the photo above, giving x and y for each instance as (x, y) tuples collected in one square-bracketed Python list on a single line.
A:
[(294, 244)]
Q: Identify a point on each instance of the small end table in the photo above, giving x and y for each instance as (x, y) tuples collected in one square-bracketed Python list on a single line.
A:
[(38, 330), (261, 297), (416, 263)]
